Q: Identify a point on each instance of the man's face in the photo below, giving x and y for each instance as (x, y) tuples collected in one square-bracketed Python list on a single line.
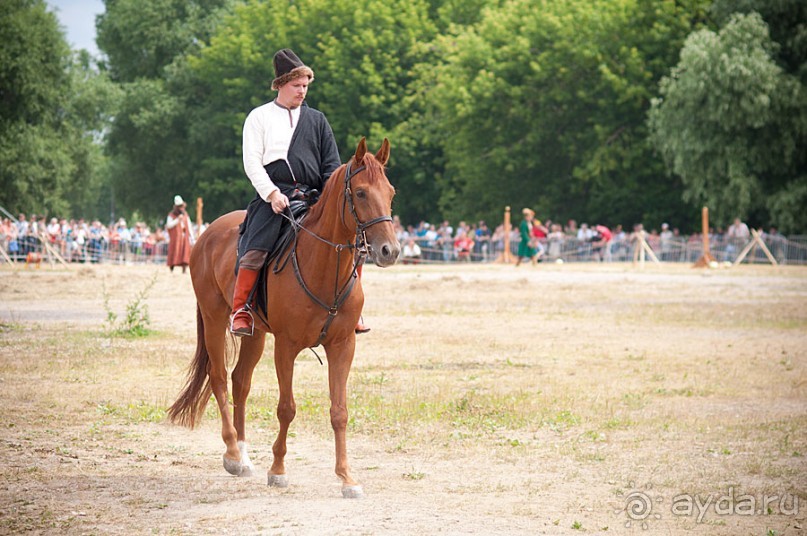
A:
[(292, 94)]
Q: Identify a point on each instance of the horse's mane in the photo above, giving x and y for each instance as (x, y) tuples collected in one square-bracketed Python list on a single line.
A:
[(334, 186)]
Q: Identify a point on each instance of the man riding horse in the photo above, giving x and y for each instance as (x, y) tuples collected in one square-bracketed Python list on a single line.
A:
[(289, 152)]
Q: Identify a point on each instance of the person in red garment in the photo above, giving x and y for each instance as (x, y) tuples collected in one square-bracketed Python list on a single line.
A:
[(600, 243), (180, 238)]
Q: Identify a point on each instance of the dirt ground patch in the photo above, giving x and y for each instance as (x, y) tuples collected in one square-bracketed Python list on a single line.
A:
[(573, 399)]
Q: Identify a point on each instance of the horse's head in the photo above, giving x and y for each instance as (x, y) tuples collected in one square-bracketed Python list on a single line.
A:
[(368, 193)]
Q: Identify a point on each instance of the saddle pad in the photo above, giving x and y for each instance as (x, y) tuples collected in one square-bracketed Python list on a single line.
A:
[(258, 295)]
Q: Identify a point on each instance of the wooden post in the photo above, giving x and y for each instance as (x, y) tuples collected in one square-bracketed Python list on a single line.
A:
[(507, 229), (6, 257), (642, 254), (199, 206), (648, 249), (705, 229), (43, 239), (643, 250), (755, 241), (706, 258)]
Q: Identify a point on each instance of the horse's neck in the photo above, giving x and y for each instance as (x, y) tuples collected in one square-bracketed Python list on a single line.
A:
[(319, 257), (329, 222)]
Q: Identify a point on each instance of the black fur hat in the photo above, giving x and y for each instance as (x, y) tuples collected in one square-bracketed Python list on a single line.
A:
[(288, 67)]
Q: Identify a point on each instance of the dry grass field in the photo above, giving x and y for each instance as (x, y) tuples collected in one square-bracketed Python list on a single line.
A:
[(557, 399)]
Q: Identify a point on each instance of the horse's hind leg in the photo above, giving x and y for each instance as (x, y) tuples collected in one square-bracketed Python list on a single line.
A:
[(250, 354), (286, 410), (215, 333)]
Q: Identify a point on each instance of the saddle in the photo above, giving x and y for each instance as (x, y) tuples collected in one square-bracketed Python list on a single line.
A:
[(299, 203)]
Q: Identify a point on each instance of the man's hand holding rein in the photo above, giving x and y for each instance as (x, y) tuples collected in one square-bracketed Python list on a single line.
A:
[(279, 201)]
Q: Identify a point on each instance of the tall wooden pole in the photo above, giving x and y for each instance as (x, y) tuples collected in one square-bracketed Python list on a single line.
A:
[(199, 219), (507, 229), (705, 224), (706, 258)]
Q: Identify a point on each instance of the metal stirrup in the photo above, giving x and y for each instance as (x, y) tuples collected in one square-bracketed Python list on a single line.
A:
[(246, 310)]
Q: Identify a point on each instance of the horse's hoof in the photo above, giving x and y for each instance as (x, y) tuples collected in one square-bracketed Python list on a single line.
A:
[(352, 492), (278, 481), (247, 471), (234, 467)]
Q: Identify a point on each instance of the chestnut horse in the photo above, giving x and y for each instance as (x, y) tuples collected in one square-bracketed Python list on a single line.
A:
[(318, 300)]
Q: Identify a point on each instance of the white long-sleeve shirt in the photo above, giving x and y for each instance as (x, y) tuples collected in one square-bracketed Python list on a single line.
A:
[(267, 135)]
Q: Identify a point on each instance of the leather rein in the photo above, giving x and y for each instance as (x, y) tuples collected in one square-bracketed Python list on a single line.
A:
[(358, 247)]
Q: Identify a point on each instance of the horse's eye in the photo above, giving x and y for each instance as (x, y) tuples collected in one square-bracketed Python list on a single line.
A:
[(360, 194)]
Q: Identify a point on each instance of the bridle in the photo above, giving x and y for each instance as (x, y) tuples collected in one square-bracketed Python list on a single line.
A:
[(359, 247), (361, 227)]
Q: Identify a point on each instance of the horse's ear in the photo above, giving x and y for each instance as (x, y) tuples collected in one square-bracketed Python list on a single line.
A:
[(361, 150), (383, 154)]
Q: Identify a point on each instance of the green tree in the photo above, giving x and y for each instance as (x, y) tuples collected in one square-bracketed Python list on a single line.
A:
[(487, 103), (146, 43), (89, 110), (142, 37), (186, 127), (543, 103), (220, 84), (33, 60), (51, 116), (787, 25), (733, 125), (370, 63)]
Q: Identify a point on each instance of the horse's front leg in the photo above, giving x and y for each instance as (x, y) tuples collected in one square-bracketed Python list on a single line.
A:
[(340, 358), (286, 410), (250, 354)]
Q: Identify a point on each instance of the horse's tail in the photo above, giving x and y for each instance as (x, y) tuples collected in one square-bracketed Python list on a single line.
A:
[(189, 406)]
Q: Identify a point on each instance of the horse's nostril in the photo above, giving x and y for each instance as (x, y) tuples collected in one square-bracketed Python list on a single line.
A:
[(385, 251)]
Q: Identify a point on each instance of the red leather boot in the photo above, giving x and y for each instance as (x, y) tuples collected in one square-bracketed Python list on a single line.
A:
[(241, 321)]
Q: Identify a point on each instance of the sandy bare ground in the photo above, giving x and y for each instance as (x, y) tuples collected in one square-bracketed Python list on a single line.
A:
[(486, 400)]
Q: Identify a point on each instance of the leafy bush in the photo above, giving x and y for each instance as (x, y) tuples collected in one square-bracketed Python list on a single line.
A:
[(137, 321)]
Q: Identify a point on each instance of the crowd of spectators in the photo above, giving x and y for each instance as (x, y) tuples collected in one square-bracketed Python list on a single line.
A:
[(444, 243), (83, 241), (91, 241), (426, 242)]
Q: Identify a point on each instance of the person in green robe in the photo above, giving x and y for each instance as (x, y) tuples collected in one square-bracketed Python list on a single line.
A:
[(527, 246)]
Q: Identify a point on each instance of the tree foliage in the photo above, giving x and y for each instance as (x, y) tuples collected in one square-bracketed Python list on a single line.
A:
[(487, 103), (543, 103), (146, 42), (183, 125), (50, 116), (142, 37), (733, 124), (787, 26)]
